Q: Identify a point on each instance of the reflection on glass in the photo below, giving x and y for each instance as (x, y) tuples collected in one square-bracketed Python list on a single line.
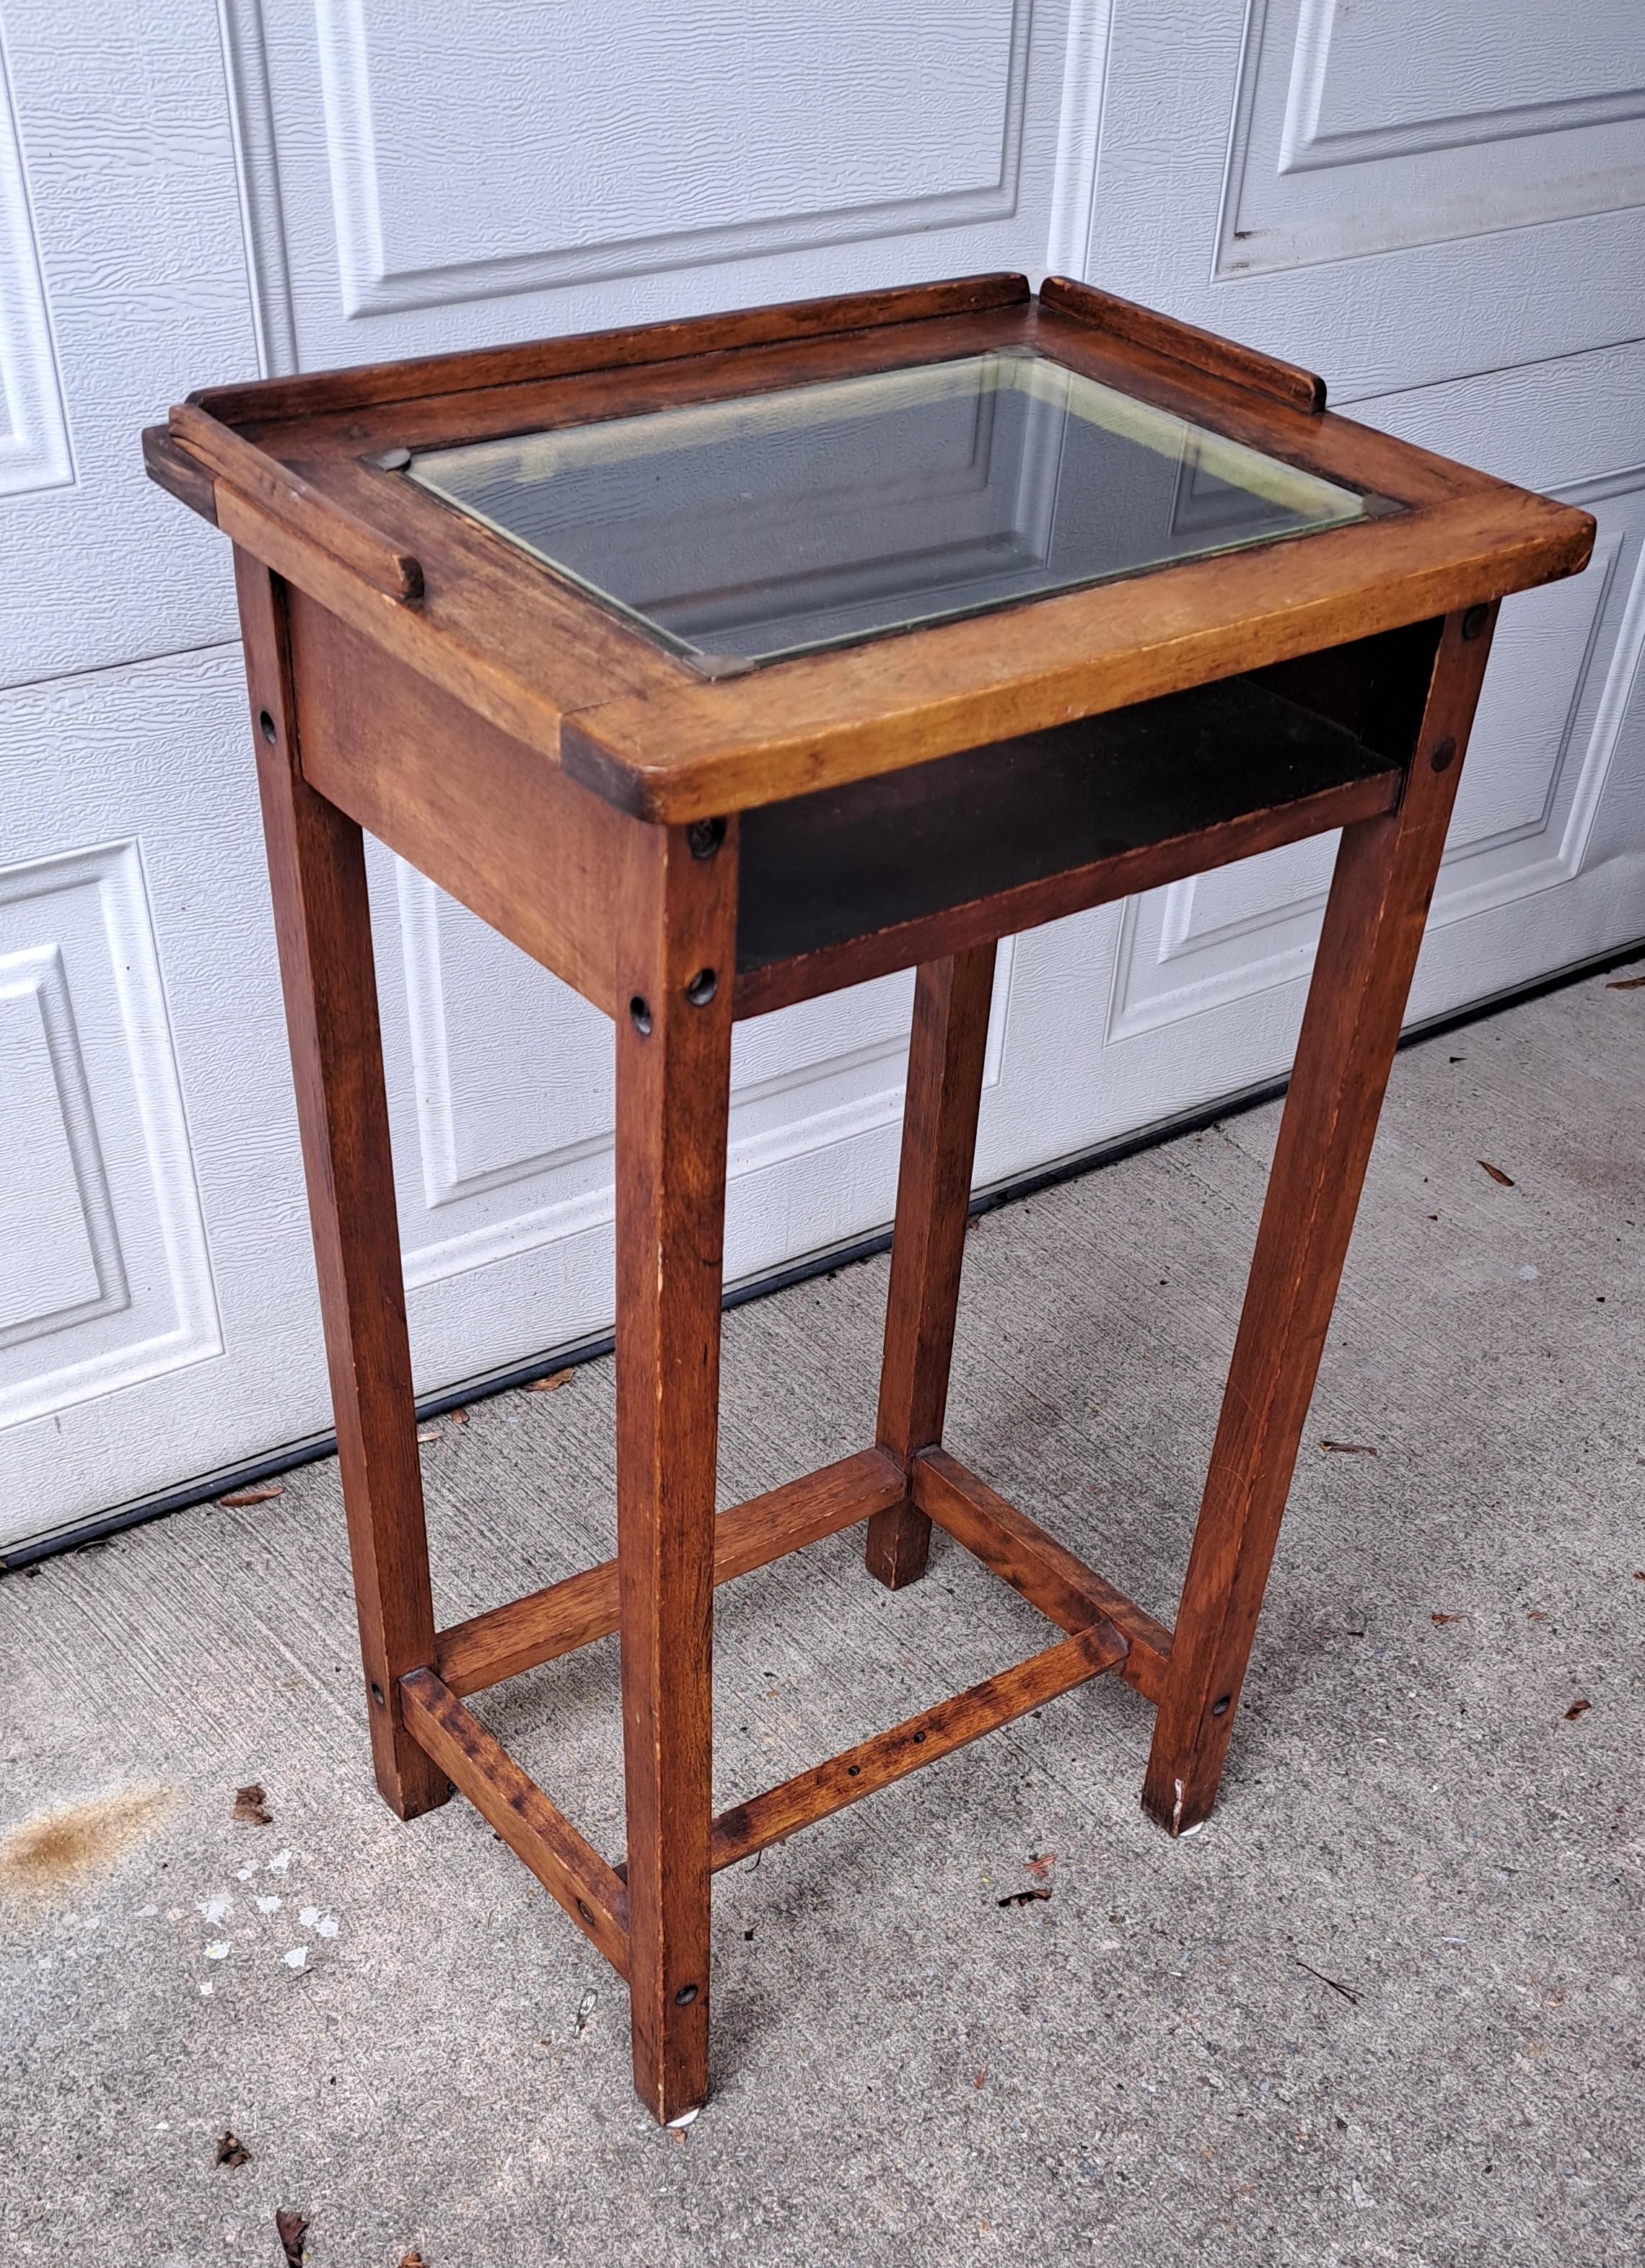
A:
[(744, 531)]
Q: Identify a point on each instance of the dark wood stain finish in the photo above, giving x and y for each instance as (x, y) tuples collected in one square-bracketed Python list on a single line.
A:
[(323, 922), (951, 999), (682, 852)]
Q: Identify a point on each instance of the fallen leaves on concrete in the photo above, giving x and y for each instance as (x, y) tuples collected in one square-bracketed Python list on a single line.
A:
[(265, 1494), (1625, 984), (230, 2150), (251, 1807), (1505, 1181), (291, 2229), (45, 1856), (1577, 1709), (552, 1384), (1347, 1448), (1443, 1619)]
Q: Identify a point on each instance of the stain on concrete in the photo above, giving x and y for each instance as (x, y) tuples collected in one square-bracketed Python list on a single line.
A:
[(44, 1856)]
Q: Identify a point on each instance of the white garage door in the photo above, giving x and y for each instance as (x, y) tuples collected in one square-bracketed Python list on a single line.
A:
[(1445, 218)]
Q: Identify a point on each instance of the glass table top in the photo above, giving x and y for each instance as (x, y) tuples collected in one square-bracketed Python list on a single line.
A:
[(748, 531)]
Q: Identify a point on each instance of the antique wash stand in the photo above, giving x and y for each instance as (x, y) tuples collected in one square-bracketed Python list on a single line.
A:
[(721, 664)]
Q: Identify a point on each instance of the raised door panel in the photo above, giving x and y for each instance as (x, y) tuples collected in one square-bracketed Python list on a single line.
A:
[(1366, 129), (122, 284), (157, 1312), (420, 180), (1391, 194), (33, 426)]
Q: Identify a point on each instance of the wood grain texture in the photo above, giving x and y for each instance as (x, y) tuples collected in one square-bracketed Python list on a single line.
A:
[(873, 708), (569, 1868), (558, 1619), (470, 807), (1373, 929), (322, 921), (676, 933), (1183, 342), (937, 1732), (946, 1047), (1048, 1575), (178, 473), (275, 489), (539, 659), (371, 384)]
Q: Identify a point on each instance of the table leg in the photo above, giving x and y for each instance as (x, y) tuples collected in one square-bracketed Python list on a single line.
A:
[(951, 999), (317, 868), (1368, 949), (676, 943)]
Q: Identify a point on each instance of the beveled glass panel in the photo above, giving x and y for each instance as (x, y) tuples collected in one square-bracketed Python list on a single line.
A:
[(776, 524)]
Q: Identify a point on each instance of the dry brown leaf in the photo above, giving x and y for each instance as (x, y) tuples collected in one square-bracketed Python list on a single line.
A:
[(265, 1494), (1448, 1618), (291, 2229), (1349, 1449), (1497, 1175), (431, 1434), (552, 1383), (1577, 1709), (251, 1807), (1039, 1864), (413, 2259), (975, 2083), (232, 2151), (456, 1417), (1625, 984), (1537, 1615), (1025, 1897)]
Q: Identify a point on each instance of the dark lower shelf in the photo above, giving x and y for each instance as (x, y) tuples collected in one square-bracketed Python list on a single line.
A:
[(887, 855)]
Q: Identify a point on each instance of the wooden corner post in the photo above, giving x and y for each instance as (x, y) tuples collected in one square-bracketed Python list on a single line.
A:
[(1385, 878), (676, 924), (946, 1047), (323, 922)]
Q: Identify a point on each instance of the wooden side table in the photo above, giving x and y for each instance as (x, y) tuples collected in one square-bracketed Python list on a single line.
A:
[(721, 664)]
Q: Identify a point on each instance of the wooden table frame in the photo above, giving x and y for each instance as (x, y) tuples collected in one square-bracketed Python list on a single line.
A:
[(654, 836)]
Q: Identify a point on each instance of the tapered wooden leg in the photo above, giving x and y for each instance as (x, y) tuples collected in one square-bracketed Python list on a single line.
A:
[(675, 947), (1373, 927), (317, 868), (939, 1138)]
